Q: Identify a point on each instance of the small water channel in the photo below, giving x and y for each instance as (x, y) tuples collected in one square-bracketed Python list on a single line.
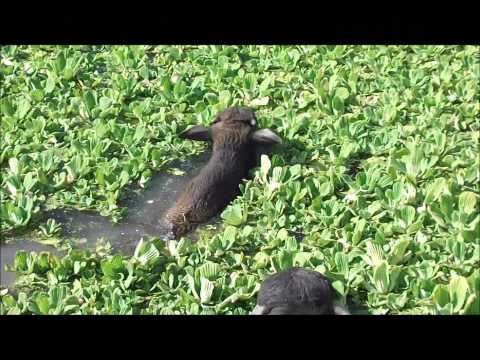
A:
[(145, 208)]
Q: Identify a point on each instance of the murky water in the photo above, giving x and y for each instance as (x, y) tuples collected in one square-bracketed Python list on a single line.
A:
[(145, 208), (7, 256)]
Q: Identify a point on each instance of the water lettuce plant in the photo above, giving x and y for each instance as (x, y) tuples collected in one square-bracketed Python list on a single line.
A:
[(377, 183)]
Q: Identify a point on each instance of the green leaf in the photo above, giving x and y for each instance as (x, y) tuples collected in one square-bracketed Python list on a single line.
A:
[(282, 261), (89, 100), (467, 201), (29, 181), (23, 107), (341, 262), (260, 102), (50, 84), (381, 277), (434, 190), (37, 95), (325, 189), (458, 288), (68, 73), (6, 107), (342, 93), (20, 262), (233, 215), (209, 270), (179, 89), (42, 303), (398, 251), (406, 215), (261, 260), (60, 62), (14, 165), (339, 286), (265, 166), (375, 253), (112, 266), (338, 104), (358, 231), (144, 72), (441, 296), (472, 305), (389, 113), (206, 290)]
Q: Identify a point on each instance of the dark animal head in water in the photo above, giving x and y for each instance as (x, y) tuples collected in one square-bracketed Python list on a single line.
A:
[(296, 291), (234, 135)]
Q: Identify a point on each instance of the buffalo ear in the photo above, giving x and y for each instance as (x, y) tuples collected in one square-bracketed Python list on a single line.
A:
[(265, 136), (197, 132)]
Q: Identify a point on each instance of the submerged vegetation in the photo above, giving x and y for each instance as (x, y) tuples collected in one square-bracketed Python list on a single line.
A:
[(376, 184)]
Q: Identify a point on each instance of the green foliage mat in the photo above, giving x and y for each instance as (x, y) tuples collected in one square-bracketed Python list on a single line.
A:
[(376, 185)]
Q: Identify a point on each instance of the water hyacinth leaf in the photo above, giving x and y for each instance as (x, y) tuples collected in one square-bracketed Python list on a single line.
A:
[(29, 181), (434, 190), (342, 93), (42, 304), (441, 296), (20, 262), (295, 171), (265, 166), (406, 215), (381, 277), (282, 261), (148, 253), (472, 305), (458, 288), (341, 262), (446, 204), (209, 270), (206, 290), (7, 107), (234, 215), (50, 84), (282, 235), (60, 62), (467, 202), (374, 207), (260, 101), (375, 253), (301, 258), (339, 287), (358, 231), (14, 165), (113, 266), (261, 260), (398, 252), (325, 189), (338, 104), (23, 107), (89, 98)]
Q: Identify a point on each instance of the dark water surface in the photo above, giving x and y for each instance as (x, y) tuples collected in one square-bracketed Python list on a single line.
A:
[(146, 208)]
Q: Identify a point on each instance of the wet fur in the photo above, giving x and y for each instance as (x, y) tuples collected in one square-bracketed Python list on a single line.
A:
[(297, 291), (218, 182)]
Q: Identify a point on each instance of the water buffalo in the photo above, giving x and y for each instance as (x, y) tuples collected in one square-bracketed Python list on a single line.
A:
[(297, 291), (235, 136)]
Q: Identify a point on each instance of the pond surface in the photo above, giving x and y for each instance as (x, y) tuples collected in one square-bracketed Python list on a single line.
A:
[(146, 207)]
